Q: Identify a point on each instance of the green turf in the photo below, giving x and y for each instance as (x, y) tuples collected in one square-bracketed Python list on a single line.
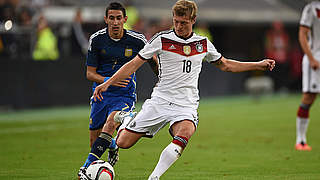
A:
[(237, 139)]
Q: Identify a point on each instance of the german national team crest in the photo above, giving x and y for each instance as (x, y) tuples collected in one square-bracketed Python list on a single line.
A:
[(128, 52), (187, 50), (199, 47)]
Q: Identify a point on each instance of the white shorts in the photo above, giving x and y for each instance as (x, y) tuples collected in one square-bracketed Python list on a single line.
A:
[(157, 113), (310, 77)]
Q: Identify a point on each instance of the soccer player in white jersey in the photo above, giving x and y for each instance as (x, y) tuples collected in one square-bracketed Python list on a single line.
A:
[(309, 38), (175, 97)]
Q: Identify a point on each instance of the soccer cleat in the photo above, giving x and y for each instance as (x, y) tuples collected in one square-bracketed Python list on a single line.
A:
[(303, 147), (82, 174), (154, 178), (113, 156), (121, 115)]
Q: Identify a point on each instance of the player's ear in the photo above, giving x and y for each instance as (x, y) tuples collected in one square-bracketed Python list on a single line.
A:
[(105, 19), (193, 21), (125, 19)]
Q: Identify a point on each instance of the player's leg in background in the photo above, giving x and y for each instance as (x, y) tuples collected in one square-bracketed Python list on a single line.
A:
[(302, 121), (97, 119), (109, 107), (126, 105), (104, 141), (181, 132), (94, 134)]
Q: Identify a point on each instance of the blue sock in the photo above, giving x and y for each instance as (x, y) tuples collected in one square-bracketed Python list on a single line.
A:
[(89, 160), (113, 144), (98, 148)]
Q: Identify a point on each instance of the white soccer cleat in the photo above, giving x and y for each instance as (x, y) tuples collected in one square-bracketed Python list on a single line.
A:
[(120, 116), (154, 178), (82, 174)]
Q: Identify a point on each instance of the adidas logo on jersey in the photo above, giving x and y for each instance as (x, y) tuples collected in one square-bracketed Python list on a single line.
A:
[(172, 47)]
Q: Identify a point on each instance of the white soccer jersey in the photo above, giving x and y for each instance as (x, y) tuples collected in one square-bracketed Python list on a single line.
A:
[(311, 18), (180, 62)]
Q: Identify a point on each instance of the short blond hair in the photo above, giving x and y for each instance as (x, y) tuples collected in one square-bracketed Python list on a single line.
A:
[(185, 8)]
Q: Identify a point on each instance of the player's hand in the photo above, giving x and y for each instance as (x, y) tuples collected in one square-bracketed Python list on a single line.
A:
[(123, 83), (267, 64), (97, 94), (315, 64)]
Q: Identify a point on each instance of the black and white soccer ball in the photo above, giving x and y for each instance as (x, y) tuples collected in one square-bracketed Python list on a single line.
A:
[(100, 170)]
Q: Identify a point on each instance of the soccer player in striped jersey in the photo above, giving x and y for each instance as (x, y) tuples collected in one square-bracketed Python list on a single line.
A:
[(309, 38), (175, 97), (109, 49)]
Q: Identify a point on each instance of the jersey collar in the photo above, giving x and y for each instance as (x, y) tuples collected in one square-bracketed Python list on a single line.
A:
[(123, 37), (183, 37)]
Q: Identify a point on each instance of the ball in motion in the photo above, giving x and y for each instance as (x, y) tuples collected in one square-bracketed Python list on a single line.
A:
[(100, 170)]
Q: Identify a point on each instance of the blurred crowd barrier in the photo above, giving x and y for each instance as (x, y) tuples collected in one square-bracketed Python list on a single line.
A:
[(43, 51)]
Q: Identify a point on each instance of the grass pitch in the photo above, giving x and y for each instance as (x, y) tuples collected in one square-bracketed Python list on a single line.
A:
[(237, 139)]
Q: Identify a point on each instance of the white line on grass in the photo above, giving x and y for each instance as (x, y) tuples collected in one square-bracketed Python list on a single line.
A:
[(37, 128), (71, 113)]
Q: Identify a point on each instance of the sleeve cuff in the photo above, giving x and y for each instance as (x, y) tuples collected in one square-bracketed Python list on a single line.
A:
[(216, 60), (304, 25), (144, 58)]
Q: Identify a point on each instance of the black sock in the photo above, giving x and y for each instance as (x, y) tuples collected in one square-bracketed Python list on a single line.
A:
[(101, 144)]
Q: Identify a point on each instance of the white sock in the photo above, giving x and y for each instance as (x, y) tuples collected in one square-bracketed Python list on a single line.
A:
[(302, 127), (168, 156)]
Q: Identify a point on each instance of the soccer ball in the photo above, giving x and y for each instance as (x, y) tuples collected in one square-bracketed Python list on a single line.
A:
[(100, 170)]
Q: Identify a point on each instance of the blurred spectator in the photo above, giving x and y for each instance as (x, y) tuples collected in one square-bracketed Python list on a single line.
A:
[(80, 36), (133, 15), (140, 25), (7, 10), (46, 46), (203, 30), (165, 24), (156, 26), (277, 47), (1, 45), (39, 4), (25, 16), (295, 67), (153, 28)]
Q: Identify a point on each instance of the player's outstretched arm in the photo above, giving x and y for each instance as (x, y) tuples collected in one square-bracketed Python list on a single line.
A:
[(229, 65), (92, 75), (124, 72)]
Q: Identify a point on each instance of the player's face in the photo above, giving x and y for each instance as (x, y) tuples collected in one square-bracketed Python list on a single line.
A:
[(115, 21), (183, 25)]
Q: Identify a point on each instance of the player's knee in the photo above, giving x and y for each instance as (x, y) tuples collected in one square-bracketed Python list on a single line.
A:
[(308, 98), (124, 144), (183, 128), (110, 125), (184, 133), (126, 140)]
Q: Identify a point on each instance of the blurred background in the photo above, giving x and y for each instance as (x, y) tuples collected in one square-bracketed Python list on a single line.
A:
[(43, 46)]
